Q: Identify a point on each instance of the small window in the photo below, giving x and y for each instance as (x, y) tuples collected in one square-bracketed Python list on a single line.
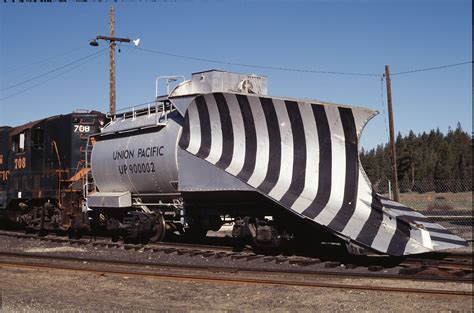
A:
[(22, 142), (38, 138), (18, 143)]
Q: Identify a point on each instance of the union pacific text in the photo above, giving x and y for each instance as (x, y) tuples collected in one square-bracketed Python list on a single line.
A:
[(148, 152)]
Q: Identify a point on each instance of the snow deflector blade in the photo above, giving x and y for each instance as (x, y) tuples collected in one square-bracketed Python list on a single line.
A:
[(304, 156)]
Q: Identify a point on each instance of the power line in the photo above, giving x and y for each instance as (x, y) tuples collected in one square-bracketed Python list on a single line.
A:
[(45, 60), (54, 70), (432, 68), (53, 77), (209, 61), (293, 69), (253, 65)]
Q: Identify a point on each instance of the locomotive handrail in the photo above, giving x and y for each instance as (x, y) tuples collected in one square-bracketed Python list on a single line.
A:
[(54, 144), (86, 184), (87, 166)]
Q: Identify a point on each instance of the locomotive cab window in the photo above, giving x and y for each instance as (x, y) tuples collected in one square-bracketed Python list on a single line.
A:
[(38, 138), (19, 143)]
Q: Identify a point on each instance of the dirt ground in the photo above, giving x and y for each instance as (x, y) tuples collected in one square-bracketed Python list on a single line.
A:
[(27, 290)]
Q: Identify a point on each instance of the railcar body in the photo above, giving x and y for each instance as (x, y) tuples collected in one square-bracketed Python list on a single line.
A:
[(217, 145), (42, 171)]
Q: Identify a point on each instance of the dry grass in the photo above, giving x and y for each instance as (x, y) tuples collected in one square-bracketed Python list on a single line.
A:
[(448, 201)]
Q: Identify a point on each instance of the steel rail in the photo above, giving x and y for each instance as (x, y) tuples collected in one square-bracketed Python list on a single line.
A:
[(235, 280), (450, 265), (447, 261), (104, 241), (250, 270), (96, 240)]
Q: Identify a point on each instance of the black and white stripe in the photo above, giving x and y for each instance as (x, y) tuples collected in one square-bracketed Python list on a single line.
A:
[(305, 156), (440, 237)]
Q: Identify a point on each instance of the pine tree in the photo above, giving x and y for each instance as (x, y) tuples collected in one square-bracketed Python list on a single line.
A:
[(436, 159)]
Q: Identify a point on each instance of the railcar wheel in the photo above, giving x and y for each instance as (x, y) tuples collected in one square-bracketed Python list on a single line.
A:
[(159, 230)]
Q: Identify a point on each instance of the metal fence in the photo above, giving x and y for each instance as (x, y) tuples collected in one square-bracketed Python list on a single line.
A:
[(448, 202)]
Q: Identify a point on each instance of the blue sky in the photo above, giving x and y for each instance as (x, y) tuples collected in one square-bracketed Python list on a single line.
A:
[(342, 36)]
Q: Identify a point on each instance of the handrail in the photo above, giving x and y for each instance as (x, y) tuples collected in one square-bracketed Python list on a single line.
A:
[(87, 166), (168, 79), (53, 143), (127, 109), (86, 184), (159, 108)]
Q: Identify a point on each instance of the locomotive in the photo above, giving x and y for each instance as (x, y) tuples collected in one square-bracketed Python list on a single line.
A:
[(42, 171), (218, 149)]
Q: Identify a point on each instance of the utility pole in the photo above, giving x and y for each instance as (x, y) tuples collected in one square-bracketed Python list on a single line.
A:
[(112, 39), (392, 136), (112, 105)]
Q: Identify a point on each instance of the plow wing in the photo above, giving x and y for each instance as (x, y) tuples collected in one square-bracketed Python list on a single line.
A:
[(304, 156)]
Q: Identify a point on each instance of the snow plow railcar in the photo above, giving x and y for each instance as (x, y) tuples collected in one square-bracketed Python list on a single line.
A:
[(218, 149), (219, 146)]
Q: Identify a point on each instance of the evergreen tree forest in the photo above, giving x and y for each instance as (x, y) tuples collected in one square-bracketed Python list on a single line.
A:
[(440, 161)]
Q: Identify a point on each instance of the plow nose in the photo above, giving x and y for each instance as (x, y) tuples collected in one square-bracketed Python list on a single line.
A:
[(304, 156)]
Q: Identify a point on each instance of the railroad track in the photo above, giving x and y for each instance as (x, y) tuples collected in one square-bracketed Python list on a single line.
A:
[(450, 262), (107, 243), (452, 267), (202, 274)]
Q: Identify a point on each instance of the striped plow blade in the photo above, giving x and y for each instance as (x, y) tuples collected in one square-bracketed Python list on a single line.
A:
[(304, 156)]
